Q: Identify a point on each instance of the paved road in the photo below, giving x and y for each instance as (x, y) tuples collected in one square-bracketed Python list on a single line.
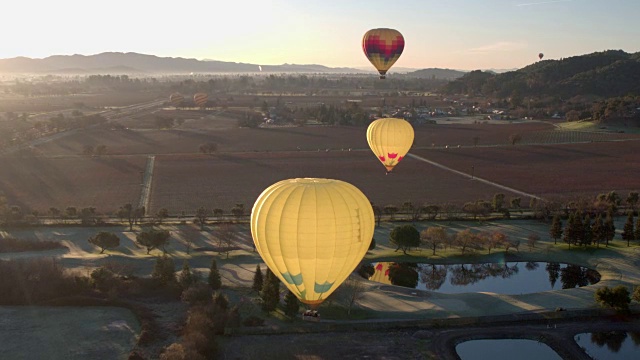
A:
[(120, 113), (146, 182)]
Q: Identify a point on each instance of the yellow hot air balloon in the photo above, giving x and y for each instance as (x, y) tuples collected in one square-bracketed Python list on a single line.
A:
[(390, 139), (200, 99), (312, 233), (381, 273)]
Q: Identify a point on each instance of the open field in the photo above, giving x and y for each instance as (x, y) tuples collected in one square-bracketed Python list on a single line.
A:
[(187, 138), (38, 183), (249, 160), (554, 171), (223, 180), (19, 104), (104, 333)]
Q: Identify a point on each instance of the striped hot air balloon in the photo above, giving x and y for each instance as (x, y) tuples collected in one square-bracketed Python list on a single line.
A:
[(176, 99), (382, 47), (200, 99)]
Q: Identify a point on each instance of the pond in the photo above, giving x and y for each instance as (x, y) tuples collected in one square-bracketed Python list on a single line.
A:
[(510, 278), (505, 349), (614, 345)]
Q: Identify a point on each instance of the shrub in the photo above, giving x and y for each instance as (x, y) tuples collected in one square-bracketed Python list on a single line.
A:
[(8, 245), (27, 282), (197, 293), (102, 279), (636, 294), (617, 297)]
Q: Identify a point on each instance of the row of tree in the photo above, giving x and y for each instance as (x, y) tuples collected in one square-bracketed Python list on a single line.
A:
[(406, 237)]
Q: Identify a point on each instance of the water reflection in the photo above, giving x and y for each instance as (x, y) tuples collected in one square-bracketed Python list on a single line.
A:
[(504, 278), (505, 349), (610, 344)]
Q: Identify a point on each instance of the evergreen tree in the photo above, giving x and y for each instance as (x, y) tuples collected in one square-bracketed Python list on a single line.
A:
[(609, 228), (186, 277), (569, 231), (598, 231), (214, 276), (291, 305), (628, 231), (164, 270), (636, 232), (257, 279), (556, 229), (587, 236), (276, 286), (270, 293), (578, 228), (220, 301), (498, 202)]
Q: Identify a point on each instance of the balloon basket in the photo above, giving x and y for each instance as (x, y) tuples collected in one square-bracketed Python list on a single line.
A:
[(311, 315)]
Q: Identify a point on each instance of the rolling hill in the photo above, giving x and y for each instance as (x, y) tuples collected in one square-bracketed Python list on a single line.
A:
[(604, 74)]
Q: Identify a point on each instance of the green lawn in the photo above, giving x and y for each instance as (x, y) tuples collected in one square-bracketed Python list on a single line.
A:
[(618, 264)]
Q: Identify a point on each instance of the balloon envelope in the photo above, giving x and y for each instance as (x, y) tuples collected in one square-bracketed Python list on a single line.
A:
[(382, 47), (540, 56), (390, 139), (176, 98), (312, 233), (200, 99)]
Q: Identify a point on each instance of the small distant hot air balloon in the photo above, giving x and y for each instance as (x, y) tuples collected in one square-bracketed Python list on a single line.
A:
[(200, 99), (390, 139), (540, 56), (176, 99), (312, 233), (382, 47)]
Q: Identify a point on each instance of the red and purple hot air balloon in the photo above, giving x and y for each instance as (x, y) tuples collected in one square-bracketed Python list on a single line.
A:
[(382, 47)]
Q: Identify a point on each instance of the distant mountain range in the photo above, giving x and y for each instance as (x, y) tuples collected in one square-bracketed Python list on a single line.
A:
[(134, 63), (142, 64)]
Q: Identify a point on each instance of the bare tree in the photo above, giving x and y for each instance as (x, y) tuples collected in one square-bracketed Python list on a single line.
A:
[(202, 214), (226, 234), (434, 237), (355, 288), (532, 239)]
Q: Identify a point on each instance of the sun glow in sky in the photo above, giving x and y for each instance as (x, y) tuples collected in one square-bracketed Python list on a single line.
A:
[(457, 34)]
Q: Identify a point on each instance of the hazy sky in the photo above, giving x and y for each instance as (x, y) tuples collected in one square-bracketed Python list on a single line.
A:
[(457, 34)]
